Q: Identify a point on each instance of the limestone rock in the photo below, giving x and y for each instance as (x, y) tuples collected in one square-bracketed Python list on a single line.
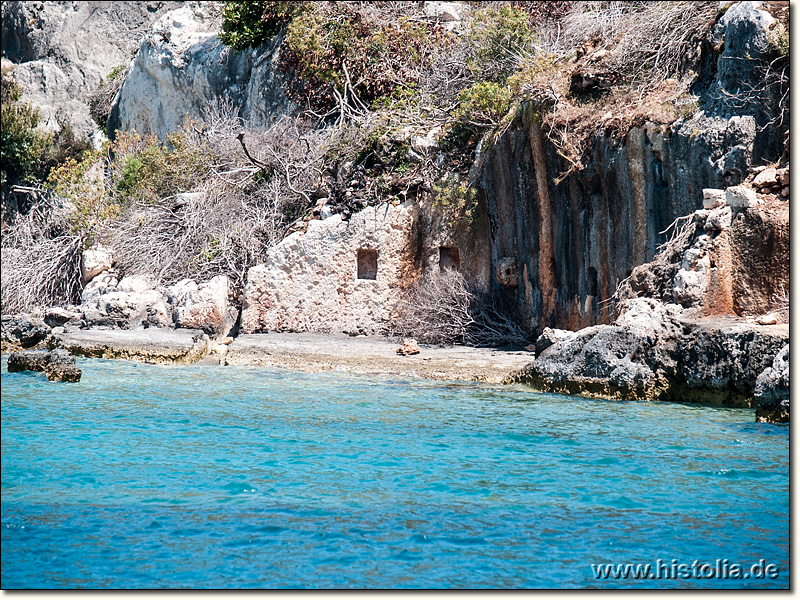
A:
[(28, 360), (426, 145), (409, 346), (654, 352), (741, 197), (628, 360), (769, 319), (713, 198), (783, 176), (56, 316), (203, 306), (64, 49), (22, 331), (182, 69), (336, 276), (57, 365), (130, 303), (721, 364), (766, 178), (444, 11), (61, 367), (548, 338), (719, 219), (94, 261), (772, 390)]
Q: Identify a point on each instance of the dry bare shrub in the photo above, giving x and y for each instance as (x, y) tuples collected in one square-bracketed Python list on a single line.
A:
[(446, 308), (40, 261), (248, 189)]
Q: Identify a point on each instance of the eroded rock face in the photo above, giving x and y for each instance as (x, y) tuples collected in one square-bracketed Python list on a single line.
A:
[(63, 49), (22, 331), (655, 352), (772, 390), (57, 365), (181, 69), (576, 240), (203, 306), (338, 276)]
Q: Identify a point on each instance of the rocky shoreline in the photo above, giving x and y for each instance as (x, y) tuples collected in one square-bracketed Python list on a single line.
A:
[(654, 351)]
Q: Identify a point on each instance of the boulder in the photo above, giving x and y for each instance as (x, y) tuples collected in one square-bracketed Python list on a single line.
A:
[(61, 367), (719, 219), (409, 346), (127, 304), (741, 197), (444, 11), (772, 390), (203, 306), (629, 360), (57, 365), (22, 331), (426, 145), (94, 261), (713, 198), (655, 352), (57, 316), (766, 178), (548, 338)]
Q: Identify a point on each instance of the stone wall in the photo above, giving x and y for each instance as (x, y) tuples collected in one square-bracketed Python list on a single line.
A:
[(348, 276), (337, 276)]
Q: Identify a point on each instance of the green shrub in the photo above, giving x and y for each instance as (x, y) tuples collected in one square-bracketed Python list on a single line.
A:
[(143, 170), (378, 56), (22, 145), (247, 24), (81, 183), (498, 36), (483, 104), (456, 200)]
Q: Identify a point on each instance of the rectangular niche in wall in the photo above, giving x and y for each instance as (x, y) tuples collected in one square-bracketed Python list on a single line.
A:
[(367, 263), (448, 258)]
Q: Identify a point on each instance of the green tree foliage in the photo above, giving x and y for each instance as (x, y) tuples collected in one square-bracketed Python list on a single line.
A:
[(246, 24), (498, 37), (22, 145)]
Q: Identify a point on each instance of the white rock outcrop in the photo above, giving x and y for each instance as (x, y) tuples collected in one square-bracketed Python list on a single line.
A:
[(62, 50), (338, 276), (203, 306), (182, 69), (94, 261)]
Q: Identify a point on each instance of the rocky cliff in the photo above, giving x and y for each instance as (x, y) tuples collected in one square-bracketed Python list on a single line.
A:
[(182, 69), (62, 51), (574, 239)]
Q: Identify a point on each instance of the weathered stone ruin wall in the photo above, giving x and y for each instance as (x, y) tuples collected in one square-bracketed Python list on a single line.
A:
[(349, 276)]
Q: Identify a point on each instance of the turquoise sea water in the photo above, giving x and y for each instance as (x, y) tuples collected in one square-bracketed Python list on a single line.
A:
[(145, 476)]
